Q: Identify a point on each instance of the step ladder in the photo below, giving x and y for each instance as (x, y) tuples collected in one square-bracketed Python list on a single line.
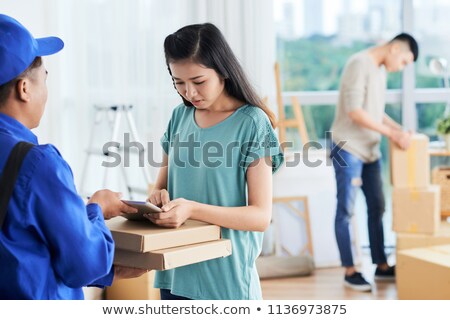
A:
[(298, 122), (113, 116)]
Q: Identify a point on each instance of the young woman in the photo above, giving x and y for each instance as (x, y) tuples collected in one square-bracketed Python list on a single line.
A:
[(220, 153)]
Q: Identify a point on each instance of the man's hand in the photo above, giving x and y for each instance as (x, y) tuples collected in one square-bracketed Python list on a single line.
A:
[(110, 203), (401, 138), (121, 272)]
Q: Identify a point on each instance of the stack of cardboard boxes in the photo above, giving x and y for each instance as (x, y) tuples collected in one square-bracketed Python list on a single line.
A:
[(141, 244), (423, 241)]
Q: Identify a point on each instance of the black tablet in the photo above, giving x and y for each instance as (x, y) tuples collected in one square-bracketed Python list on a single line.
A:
[(143, 207)]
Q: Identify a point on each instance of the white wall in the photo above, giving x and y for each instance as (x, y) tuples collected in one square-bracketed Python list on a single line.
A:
[(113, 54)]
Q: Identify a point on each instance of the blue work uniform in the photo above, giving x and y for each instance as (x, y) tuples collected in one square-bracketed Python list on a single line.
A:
[(51, 243)]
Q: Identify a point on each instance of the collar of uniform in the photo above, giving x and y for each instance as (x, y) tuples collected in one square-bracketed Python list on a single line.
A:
[(17, 129)]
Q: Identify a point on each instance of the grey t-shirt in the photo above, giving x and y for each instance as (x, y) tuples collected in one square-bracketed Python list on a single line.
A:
[(363, 85)]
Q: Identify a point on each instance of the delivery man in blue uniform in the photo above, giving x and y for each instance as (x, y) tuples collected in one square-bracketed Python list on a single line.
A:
[(51, 243)]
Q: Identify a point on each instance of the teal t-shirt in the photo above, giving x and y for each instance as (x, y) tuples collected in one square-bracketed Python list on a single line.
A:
[(209, 165)]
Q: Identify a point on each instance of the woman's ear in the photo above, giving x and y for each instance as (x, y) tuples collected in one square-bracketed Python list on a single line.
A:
[(22, 90), (222, 78)]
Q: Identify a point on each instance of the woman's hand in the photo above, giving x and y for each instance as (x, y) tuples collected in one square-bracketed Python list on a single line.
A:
[(159, 197), (174, 214)]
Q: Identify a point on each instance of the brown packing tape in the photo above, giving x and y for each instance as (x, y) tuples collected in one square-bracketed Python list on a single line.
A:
[(410, 168), (412, 164), (414, 194), (413, 228)]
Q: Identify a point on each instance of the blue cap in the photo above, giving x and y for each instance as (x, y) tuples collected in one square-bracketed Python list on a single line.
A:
[(18, 48)]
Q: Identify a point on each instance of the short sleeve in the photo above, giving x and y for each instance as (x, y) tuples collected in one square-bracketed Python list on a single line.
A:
[(262, 143), (166, 139)]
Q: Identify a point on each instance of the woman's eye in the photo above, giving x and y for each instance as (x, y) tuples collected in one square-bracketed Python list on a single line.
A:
[(199, 82), (178, 83)]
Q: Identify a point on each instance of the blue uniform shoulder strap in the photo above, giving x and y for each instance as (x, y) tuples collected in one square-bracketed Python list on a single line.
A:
[(9, 176)]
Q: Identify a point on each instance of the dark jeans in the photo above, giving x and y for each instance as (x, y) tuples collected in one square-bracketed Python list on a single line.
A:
[(352, 173), (166, 295)]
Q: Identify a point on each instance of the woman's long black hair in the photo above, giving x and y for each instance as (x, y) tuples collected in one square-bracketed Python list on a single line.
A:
[(205, 45)]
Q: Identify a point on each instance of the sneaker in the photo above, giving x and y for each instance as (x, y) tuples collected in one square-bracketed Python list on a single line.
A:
[(388, 274), (357, 282)]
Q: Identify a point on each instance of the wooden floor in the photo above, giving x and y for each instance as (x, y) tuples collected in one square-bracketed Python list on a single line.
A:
[(327, 284)]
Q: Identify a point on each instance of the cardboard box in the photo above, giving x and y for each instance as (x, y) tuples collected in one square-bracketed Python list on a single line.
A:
[(441, 177), (424, 273), (410, 241), (140, 288), (173, 257), (143, 236), (416, 210), (411, 168)]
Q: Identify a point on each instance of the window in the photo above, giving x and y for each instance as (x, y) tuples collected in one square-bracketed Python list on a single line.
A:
[(314, 40), (431, 27), (316, 37)]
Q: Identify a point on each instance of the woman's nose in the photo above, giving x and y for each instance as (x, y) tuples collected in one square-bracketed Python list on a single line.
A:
[(190, 91)]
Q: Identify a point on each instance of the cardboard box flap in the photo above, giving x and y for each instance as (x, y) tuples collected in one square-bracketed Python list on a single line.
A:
[(424, 273), (143, 236), (439, 255), (174, 257), (420, 240)]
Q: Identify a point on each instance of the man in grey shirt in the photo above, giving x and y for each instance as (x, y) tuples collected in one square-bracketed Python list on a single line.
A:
[(360, 120)]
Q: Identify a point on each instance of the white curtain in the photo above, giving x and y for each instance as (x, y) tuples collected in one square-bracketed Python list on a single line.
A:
[(114, 55)]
